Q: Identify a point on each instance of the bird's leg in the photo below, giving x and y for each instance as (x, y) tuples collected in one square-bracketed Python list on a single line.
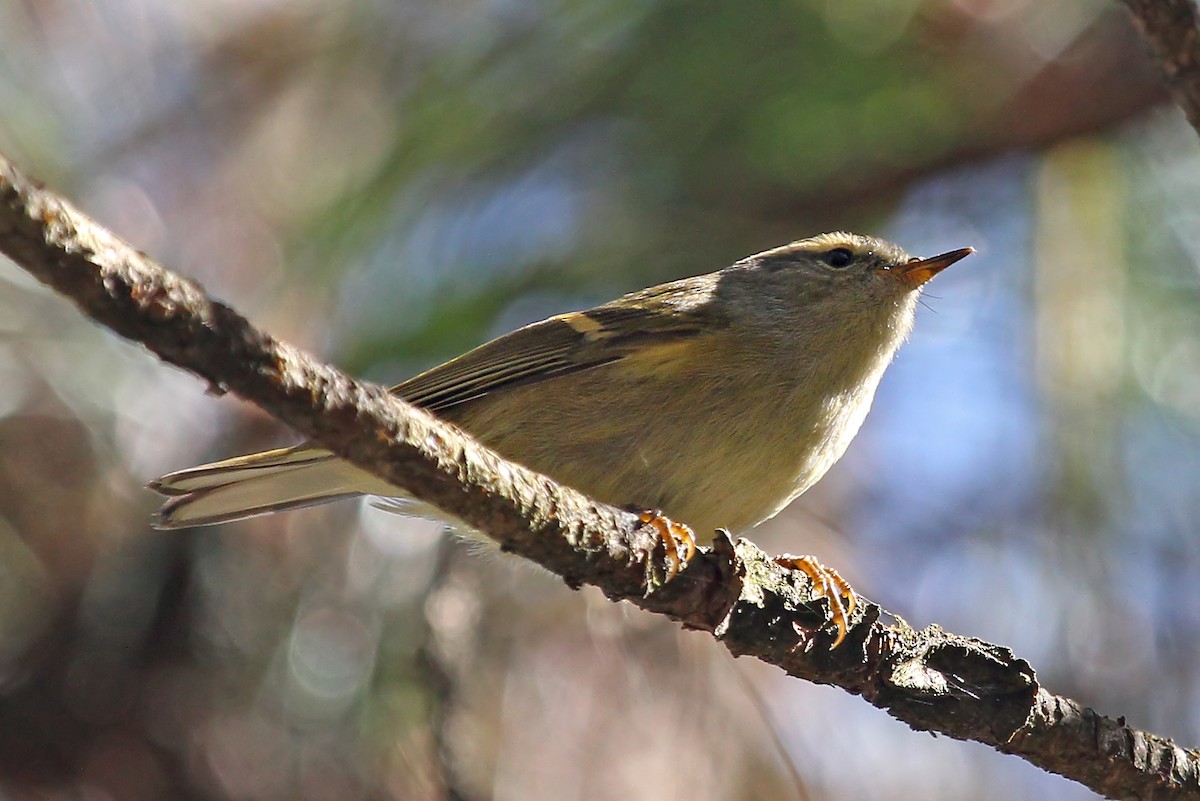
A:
[(671, 534), (829, 585)]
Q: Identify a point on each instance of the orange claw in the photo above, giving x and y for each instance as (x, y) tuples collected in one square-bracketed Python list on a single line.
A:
[(829, 585), (669, 531)]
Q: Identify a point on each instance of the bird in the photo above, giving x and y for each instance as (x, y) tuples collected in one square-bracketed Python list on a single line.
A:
[(713, 400)]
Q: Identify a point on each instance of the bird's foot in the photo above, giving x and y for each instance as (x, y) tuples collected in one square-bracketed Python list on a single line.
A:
[(672, 535), (827, 584)]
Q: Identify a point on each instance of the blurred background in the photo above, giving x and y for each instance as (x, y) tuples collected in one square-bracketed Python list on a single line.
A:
[(390, 183)]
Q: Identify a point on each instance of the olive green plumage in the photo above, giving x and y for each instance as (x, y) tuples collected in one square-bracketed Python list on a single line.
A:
[(715, 399)]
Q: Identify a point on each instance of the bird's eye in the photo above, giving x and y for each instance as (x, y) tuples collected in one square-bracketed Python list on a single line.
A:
[(838, 257)]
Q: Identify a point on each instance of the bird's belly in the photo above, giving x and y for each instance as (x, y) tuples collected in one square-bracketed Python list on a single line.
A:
[(697, 465)]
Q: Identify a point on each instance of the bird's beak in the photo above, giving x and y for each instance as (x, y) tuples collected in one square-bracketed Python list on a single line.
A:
[(918, 271)]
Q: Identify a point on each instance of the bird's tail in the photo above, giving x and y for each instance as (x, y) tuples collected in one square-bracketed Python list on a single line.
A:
[(271, 481)]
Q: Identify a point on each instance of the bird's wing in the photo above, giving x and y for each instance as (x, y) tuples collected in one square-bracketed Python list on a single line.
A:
[(562, 345)]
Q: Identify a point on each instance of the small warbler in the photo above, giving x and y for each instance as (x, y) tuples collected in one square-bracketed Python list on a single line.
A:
[(714, 400)]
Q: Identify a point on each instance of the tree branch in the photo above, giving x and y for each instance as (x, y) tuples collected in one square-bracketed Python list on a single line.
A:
[(931, 680), (1172, 29)]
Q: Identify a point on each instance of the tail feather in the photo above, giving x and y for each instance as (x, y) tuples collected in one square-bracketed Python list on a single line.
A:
[(227, 471), (272, 481)]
